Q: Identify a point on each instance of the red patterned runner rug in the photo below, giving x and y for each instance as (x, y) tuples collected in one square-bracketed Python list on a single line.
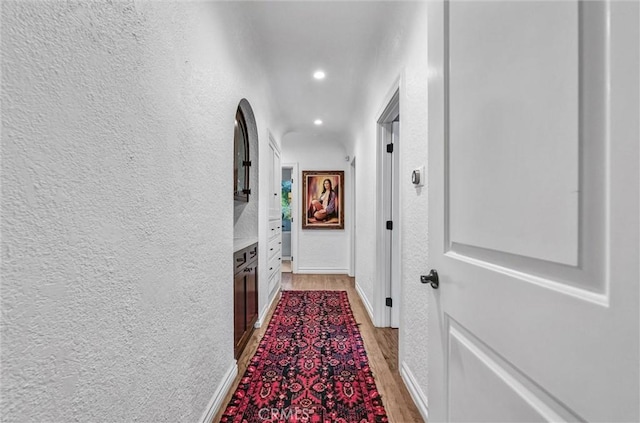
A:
[(310, 366)]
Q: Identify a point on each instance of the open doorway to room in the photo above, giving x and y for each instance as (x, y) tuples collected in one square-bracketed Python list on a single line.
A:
[(288, 219)]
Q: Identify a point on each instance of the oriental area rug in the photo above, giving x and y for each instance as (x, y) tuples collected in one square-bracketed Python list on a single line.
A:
[(310, 366)]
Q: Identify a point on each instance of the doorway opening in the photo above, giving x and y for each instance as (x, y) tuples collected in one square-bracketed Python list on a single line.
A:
[(289, 218), (389, 289)]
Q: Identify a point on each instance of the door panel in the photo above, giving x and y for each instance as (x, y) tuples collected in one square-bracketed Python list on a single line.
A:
[(514, 127), (251, 294), (536, 317), (486, 388), (238, 308)]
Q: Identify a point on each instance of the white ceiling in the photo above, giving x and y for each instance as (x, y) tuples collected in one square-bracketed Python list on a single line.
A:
[(292, 39)]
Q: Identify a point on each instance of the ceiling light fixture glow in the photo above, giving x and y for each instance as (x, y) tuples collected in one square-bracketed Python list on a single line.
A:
[(317, 122), (319, 74)]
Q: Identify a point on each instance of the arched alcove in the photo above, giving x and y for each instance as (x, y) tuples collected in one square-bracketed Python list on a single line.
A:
[(246, 203)]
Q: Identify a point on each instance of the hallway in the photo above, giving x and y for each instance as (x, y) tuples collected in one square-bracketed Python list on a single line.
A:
[(381, 345), (141, 209)]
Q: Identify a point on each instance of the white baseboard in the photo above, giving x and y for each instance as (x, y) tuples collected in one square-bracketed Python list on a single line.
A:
[(415, 390), (322, 270), (365, 301), (220, 393), (263, 313)]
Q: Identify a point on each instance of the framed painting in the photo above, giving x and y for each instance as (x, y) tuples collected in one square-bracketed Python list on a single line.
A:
[(322, 199)]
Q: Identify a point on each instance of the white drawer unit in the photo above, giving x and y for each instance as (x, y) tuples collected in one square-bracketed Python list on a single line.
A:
[(274, 255), (274, 284), (274, 247), (273, 266), (275, 227)]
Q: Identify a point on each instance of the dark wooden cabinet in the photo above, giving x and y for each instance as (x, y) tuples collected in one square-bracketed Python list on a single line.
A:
[(238, 309), (245, 296), (251, 295)]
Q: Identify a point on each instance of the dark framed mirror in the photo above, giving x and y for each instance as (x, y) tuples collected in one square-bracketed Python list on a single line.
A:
[(241, 159)]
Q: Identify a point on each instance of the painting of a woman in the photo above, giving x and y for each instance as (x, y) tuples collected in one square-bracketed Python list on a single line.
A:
[(322, 200), (324, 207)]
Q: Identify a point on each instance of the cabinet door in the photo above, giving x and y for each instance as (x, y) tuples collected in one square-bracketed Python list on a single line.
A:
[(251, 287), (275, 182), (238, 308)]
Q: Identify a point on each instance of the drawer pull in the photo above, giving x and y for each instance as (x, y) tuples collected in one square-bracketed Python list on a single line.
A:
[(271, 268), (270, 249)]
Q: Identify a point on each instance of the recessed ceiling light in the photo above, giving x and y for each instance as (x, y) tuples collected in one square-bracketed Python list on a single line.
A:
[(318, 74), (317, 122)]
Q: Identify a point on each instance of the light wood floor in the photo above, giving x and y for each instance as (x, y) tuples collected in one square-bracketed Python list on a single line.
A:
[(286, 266), (381, 345)]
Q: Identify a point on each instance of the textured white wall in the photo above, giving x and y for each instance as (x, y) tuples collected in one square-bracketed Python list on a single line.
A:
[(117, 218), (402, 54), (319, 250)]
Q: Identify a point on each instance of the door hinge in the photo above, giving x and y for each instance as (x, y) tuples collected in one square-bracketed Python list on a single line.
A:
[(246, 163), (389, 302), (390, 148), (390, 225), (291, 258)]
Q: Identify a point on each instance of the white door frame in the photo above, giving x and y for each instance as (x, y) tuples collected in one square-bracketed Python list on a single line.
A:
[(352, 225), (295, 206), (382, 314)]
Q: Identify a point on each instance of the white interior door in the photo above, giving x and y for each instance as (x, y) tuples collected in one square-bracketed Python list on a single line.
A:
[(394, 274), (387, 194), (388, 208), (534, 211), (390, 204)]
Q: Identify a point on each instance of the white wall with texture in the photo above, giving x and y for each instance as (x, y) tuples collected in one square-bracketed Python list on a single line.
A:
[(403, 55), (117, 214)]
